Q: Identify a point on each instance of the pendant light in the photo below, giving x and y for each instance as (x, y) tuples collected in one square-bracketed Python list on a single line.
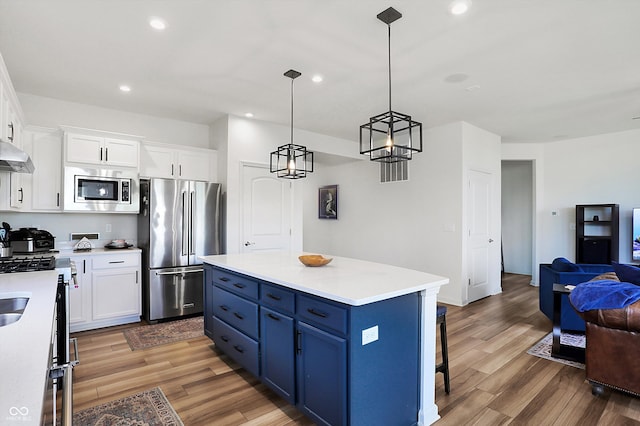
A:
[(390, 137), (291, 161)]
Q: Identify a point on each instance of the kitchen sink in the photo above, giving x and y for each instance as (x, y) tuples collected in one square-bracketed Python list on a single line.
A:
[(11, 309), (14, 304), (6, 319)]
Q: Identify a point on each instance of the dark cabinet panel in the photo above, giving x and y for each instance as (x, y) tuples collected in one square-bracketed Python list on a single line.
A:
[(278, 352), (322, 375)]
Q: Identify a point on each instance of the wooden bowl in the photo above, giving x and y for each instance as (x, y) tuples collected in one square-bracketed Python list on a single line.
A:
[(314, 260)]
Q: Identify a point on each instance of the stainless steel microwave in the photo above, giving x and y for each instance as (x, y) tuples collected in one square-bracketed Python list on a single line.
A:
[(101, 190)]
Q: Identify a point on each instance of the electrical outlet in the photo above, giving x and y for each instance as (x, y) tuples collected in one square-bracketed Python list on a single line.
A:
[(369, 335)]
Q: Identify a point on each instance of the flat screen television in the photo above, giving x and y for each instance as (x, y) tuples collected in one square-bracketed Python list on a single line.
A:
[(636, 234)]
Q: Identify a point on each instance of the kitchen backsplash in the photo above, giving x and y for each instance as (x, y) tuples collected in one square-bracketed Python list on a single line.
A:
[(61, 225)]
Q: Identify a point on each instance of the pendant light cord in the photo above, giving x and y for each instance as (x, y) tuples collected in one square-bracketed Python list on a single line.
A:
[(389, 25), (291, 112)]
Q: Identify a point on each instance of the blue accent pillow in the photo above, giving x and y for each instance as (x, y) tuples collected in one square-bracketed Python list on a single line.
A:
[(561, 264), (627, 273)]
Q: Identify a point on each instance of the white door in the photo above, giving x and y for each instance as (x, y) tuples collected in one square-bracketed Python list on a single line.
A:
[(266, 210), (481, 243)]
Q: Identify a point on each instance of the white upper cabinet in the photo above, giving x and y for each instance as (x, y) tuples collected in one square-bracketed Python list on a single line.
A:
[(177, 162), (46, 154), (101, 150)]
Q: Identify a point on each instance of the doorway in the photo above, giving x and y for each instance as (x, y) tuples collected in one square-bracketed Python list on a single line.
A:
[(518, 216)]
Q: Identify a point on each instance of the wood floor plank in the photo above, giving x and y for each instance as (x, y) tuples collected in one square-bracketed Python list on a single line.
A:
[(493, 380)]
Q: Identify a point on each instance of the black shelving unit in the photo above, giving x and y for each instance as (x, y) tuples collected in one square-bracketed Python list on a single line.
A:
[(597, 233)]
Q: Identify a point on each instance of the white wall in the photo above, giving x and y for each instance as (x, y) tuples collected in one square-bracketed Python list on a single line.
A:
[(251, 141), (592, 170), (48, 112), (416, 224), (517, 216)]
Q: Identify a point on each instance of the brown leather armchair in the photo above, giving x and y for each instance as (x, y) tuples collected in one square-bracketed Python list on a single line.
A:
[(613, 345)]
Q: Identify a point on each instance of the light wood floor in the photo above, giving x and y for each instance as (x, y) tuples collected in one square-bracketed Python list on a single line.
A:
[(494, 381)]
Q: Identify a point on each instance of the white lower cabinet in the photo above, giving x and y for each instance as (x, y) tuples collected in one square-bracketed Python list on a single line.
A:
[(108, 291)]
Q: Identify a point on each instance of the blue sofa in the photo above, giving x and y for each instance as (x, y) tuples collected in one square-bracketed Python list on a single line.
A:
[(561, 271)]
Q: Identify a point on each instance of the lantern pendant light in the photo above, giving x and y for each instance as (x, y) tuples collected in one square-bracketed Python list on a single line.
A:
[(392, 136), (291, 161)]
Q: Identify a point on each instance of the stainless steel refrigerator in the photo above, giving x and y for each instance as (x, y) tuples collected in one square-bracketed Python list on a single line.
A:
[(179, 220)]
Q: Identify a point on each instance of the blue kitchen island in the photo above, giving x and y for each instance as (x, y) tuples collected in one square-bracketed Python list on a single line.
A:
[(349, 343)]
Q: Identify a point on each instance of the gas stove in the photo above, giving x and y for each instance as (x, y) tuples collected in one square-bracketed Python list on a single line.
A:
[(27, 264)]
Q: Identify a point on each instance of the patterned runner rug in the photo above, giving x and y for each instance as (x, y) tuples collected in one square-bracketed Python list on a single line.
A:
[(145, 408), (542, 349), (148, 336)]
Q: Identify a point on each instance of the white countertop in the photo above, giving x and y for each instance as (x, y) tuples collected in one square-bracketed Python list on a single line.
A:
[(24, 346), (96, 251), (351, 281)]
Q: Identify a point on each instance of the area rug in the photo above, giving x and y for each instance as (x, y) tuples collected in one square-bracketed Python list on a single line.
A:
[(542, 349), (141, 409), (148, 336)]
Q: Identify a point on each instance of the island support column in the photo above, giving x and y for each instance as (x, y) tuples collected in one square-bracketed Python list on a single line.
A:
[(428, 410)]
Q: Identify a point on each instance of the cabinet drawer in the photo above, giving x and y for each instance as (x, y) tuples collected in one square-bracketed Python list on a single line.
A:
[(278, 298), (236, 283), (115, 261), (236, 311), (241, 348), (324, 314)]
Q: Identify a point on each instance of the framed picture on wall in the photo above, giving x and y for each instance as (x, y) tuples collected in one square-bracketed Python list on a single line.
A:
[(328, 202)]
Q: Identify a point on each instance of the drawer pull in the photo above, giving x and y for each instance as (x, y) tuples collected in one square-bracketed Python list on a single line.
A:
[(238, 348), (238, 285), (116, 261), (224, 338), (273, 296), (273, 317), (223, 279), (317, 313), (237, 315), (224, 308)]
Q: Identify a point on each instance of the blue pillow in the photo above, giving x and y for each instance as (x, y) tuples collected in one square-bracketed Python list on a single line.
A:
[(627, 273), (561, 264)]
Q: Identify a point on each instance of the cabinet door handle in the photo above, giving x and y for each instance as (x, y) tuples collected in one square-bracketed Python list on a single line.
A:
[(317, 313), (58, 199), (172, 170), (180, 170), (238, 285), (238, 348), (273, 317), (12, 129), (224, 338), (237, 315), (224, 308), (106, 154), (136, 277), (21, 195), (84, 266), (223, 279), (273, 296), (298, 342), (116, 261), (100, 153)]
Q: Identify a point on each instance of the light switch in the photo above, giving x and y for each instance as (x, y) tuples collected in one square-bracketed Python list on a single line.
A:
[(369, 335)]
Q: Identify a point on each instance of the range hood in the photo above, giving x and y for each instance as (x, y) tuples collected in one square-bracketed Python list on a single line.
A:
[(13, 159)]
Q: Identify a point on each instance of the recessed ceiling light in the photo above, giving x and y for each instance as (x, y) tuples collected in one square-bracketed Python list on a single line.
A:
[(248, 115), (458, 7), (317, 78), (125, 88), (157, 23)]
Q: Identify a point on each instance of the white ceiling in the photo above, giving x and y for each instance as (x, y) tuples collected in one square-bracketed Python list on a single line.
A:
[(542, 70)]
